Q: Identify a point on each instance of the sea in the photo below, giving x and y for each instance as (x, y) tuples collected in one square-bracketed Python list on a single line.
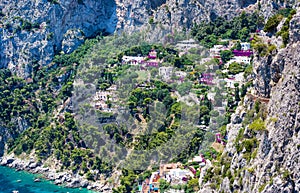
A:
[(11, 180)]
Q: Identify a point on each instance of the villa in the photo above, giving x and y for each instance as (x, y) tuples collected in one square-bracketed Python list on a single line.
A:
[(240, 60), (244, 53), (165, 168)]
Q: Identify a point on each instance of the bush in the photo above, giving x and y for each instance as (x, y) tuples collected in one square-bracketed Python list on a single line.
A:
[(151, 20), (226, 55), (258, 45), (53, 1), (262, 187), (285, 37), (163, 185), (235, 68), (248, 71), (271, 48), (273, 22), (257, 125), (248, 144)]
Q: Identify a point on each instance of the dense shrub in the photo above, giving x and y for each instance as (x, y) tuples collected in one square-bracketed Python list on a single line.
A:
[(235, 68), (273, 22), (238, 28), (257, 125)]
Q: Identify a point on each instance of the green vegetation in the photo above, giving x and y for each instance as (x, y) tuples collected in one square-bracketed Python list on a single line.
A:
[(284, 31), (273, 22), (34, 102), (235, 68), (262, 187), (154, 109), (53, 1), (151, 20), (226, 55), (238, 28), (262, 48), (248, 71), (163, 185), (184, 88), (257, 125), (286, 175)]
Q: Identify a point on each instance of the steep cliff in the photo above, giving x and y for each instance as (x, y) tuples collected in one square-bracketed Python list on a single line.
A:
[(32, 32), (262, 154)]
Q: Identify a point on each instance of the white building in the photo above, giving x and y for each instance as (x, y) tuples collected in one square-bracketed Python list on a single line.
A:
[(102, 95), (180, 74), (215, 51), (239, 59), (165, 72), (245, 46), (180, 173), (101, 98), (132, 60), (242, 59)]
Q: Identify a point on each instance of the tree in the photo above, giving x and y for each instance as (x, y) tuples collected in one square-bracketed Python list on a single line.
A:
[(238, 46), (243, 90), (226, 55), (273, 22), (163, 185), (177, 63), (204, 110), (243, 34), (184, 88), (193, 185), (237, 94)]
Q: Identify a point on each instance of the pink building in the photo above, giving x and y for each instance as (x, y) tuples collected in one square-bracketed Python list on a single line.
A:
[(152, 54)]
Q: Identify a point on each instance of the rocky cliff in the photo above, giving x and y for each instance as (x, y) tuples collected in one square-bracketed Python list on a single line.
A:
[(264, 156), (32, 32)]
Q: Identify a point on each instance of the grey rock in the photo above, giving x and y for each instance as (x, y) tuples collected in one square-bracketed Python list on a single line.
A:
[(236, 120), (72, 39), (33, 165)]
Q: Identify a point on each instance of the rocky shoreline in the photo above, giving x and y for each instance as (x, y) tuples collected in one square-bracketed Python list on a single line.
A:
[(65, 178)]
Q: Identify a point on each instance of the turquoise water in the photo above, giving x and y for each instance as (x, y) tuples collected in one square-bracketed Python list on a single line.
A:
[(11, 179)]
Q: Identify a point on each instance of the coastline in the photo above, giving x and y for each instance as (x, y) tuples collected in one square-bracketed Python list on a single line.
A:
[(66, 178)]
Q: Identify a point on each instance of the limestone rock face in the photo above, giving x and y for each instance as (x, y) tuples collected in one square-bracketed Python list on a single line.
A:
[(5, 134), (72, 39), (33, 31)]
